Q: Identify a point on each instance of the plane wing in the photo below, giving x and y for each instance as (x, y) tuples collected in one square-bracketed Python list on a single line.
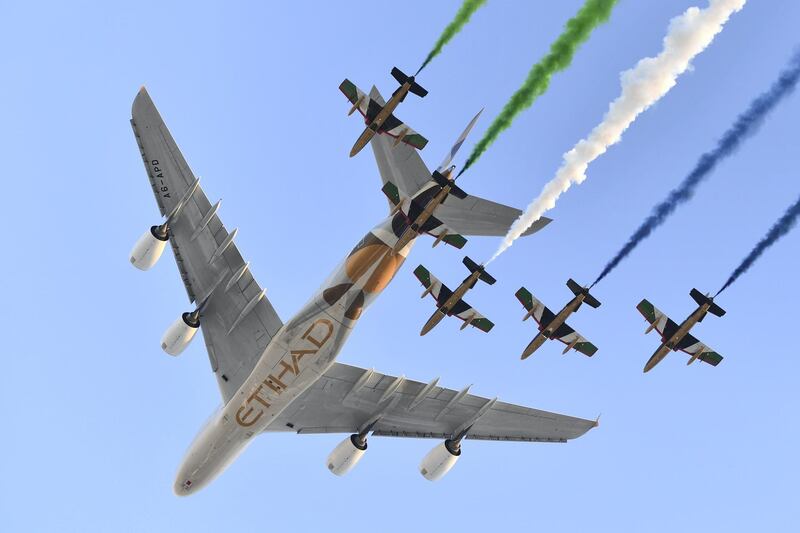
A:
[(667, 327), (447, 235), (441, 293), (433, 227), (403, 166), (661, 322), (346, 397), (543, 316), (568, 336), (238, 321), (694, 347), (369, 109)]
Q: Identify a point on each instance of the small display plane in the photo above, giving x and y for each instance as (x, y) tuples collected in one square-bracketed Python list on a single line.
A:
[(379, 117), (553, 325), (277, 376), (450, 303), (676, 337)]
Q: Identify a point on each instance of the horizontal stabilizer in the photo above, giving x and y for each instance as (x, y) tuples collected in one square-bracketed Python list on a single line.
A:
[(474, 267), (702, 299), (469, 216), (402, 78), (443, 181), (577, 289)]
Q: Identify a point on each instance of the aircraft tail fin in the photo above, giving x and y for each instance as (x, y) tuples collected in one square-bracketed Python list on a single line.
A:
[(576, 289), (702, 299), (474, 267), (401, 78)]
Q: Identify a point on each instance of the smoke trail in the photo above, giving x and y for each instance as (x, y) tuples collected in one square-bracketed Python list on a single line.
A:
[(746, 125), (577, 31), (642, 86), (462, 17), (781, 228)]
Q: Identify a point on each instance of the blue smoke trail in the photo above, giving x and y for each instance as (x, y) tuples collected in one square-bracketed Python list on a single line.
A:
[(746, 125), (783, 226)]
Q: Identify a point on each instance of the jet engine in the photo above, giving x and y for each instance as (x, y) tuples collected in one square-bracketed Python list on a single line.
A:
[(440, 460), (149, 247), (347, 454), (180, 333)]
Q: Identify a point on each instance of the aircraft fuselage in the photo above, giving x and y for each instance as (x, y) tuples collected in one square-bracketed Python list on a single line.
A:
[(419, 221), (671, 344), (563, 315), (374, 126), (299, 354)]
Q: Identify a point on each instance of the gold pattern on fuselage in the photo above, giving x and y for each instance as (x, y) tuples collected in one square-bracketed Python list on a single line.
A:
[(315, 338)]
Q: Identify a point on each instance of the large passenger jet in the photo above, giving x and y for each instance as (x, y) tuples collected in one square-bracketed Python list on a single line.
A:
[(283, 376)]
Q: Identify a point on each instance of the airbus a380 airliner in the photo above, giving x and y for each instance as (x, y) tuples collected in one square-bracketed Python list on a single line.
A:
[(277, 376)]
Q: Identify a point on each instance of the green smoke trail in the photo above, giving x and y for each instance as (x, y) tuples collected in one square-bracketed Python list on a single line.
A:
[(577, 31), (462, 17)]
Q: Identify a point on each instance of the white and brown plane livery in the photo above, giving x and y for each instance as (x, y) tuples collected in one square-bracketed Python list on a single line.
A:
[(554, 325), (677, 337), (276, 376), (378, 115)]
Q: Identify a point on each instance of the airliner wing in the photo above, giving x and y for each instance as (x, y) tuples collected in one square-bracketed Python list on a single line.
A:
[(238, 322), (346, 397)]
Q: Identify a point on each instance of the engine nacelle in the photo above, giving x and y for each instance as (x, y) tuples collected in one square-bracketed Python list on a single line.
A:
[(180, 333), (149, 247), (346, 455), (440, 460)]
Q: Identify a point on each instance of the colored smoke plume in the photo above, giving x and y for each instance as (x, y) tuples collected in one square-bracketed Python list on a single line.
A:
[(645, 84), (783, 226), (577, 31), (746, 125), (462, 17)]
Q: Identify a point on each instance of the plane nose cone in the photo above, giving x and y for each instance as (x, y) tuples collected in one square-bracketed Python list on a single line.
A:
[(182, 487)]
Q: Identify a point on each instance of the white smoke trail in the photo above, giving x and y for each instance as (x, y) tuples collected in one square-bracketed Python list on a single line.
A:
[(642, 86)]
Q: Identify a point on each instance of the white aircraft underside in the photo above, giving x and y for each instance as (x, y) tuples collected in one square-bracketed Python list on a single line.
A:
[(283, 377)]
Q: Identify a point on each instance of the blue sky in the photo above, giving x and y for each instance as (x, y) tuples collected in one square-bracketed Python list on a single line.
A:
[(97, 417)]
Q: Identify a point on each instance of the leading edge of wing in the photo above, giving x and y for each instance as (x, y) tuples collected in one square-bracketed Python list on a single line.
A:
[(346, 395)]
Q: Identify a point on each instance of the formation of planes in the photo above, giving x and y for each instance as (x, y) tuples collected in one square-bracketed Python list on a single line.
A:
[(283, 376), (418, 213)]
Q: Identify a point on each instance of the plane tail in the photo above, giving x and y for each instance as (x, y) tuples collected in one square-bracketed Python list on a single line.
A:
[(474, 267), (702, 299), (576, 289), (401, 78), (455, 190)]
